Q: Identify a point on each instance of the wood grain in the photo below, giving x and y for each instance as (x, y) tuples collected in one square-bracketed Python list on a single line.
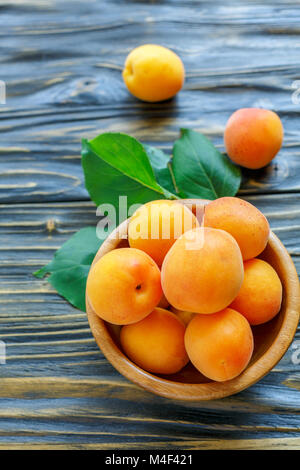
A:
[(61, 61)]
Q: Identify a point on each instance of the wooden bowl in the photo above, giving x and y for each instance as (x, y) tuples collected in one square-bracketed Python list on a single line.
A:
[(271, 339)]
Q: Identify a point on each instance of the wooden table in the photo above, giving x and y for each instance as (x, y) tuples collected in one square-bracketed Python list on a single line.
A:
[(61, 61)]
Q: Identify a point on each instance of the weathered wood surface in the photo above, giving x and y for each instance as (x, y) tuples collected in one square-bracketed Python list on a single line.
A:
[(61, 61)]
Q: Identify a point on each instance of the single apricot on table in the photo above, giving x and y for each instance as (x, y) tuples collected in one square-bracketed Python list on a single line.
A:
[(124, 286), (153, 73), (260, 297), (253, 137), (242, 220), (220, 345), (203, 271), (156, 344), (155, 227)]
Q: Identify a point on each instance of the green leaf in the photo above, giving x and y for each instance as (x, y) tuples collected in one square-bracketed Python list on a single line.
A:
[(161, 164), (70, 266), (200, 170), (117, 164)]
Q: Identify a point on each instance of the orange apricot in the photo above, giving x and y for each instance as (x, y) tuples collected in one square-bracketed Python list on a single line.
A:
[(220, 345), (203, 271), (124, 286), (156, 344), (155, 226), (242, 220), (253, 137), (260, 297), (153, 73), (163, 302), (184, 316)]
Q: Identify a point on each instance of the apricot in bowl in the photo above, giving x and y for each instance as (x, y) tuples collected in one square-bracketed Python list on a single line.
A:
[(203, 271), (220, 345), (156, 343), (270, 340), (242, 220), (183, 315), (124, 286), (155, 227), (260, 296)]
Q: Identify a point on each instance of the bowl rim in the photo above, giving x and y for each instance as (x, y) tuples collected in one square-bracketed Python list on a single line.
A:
[(211, 390)]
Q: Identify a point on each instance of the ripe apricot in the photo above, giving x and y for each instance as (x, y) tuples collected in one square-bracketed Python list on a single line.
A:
[(163, 303), (203, 271), (259, 299), (155, 226), (153, 73), (219, 345), (184, 316), (242, 220), (156, 343), (253, 137), (124, 286)]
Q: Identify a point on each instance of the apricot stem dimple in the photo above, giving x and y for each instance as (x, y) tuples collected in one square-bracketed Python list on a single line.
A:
[(129, 68), (138, 287)]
